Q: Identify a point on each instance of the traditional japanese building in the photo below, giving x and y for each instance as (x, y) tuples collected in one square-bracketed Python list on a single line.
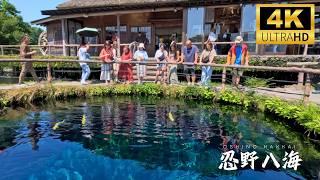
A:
[(163, 20)]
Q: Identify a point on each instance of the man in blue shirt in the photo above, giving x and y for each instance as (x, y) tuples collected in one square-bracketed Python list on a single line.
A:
[(190, 56)]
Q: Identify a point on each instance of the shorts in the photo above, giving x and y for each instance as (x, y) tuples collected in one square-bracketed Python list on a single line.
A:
[(161, 66), (189, 69), (237, 72)]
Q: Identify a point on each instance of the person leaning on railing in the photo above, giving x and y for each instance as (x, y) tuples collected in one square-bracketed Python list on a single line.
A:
[(190, 55), (174, 57), (125, 70), (106, 55), (207, 57), (161, 56), (238, 55), (26, 53), (141, 56)]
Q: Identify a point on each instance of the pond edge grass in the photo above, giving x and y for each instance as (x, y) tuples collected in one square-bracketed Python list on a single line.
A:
[(305, 117)]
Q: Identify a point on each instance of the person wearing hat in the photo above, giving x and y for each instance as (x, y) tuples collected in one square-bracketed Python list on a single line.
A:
[(141, 56), (161, 56), (174, 58), (238, 55)]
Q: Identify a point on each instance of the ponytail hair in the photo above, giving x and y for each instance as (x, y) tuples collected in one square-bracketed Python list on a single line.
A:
[(24, 38)]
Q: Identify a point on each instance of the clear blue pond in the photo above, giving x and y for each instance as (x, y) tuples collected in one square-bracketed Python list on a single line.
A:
[(138, 138)]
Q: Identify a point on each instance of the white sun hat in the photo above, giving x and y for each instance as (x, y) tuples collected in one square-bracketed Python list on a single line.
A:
[(238, 39), (141, 45)]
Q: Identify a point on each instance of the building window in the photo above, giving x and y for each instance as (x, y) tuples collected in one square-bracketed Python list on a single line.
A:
[(195, 24), (248, 32), (114, 29), (248, 25), (145, 30), (315, 49), (224, 24)]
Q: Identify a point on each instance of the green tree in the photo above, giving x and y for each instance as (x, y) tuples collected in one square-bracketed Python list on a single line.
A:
[(8, 9), (12, 26)]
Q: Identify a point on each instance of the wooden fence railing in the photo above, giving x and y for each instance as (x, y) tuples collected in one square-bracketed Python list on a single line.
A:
[(3, 47), (306, 71)]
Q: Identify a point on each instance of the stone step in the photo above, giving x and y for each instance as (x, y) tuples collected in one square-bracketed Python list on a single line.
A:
[(149, 67), (151, 73)]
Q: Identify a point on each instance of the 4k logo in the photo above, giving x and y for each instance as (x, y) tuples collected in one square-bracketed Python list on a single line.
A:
[(285, 23)]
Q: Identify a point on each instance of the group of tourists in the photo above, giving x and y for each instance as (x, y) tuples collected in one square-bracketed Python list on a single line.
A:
[(120, 68)]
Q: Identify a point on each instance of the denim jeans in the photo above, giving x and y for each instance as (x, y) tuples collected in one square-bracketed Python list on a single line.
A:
[(172, 74), (85, 72), (206, 75)]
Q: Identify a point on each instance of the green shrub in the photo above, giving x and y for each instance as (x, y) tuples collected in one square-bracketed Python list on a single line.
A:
[(256, 82), (283, 108), (147, 89), (122, 90), (234, 97)]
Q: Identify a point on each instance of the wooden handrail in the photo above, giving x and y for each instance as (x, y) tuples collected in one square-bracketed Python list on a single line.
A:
[(97, 45), (301, 64), (152, 61)]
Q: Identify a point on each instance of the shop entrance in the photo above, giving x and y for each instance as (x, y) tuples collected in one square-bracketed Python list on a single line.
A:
[(224, 22), (166, 35)]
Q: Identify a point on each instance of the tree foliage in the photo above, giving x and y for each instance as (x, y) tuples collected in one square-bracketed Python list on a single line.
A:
[(12, 26)]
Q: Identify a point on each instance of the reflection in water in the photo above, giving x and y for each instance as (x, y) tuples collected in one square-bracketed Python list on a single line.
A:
[(125, 138)]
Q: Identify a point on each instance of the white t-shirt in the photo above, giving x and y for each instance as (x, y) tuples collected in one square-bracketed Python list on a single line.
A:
[(161, 54), (212, 37), (82, 54)]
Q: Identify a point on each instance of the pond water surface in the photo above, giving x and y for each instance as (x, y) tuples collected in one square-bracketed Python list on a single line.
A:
[(139, 138)]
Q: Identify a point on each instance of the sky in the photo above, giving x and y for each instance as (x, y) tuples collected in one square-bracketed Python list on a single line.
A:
[(31, 9)]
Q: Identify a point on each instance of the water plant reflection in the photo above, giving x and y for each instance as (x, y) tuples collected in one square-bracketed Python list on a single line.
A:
[(143, 130)]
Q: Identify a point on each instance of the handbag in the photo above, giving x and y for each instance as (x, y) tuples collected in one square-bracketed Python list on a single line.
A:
[(206, 59)]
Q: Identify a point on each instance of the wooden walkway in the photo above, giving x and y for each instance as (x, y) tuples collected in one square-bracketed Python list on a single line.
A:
[(285, 93)]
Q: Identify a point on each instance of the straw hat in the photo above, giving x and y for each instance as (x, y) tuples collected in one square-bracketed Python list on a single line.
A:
[(238, 39), (141, 45)]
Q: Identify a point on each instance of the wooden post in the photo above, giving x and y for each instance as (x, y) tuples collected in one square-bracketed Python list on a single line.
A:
[(300, 78), (118, 35), (49, 76), (63, 37), (307, 89), (305, 51), (224, 77), (49, 50), (184, 25), (2, 53)]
